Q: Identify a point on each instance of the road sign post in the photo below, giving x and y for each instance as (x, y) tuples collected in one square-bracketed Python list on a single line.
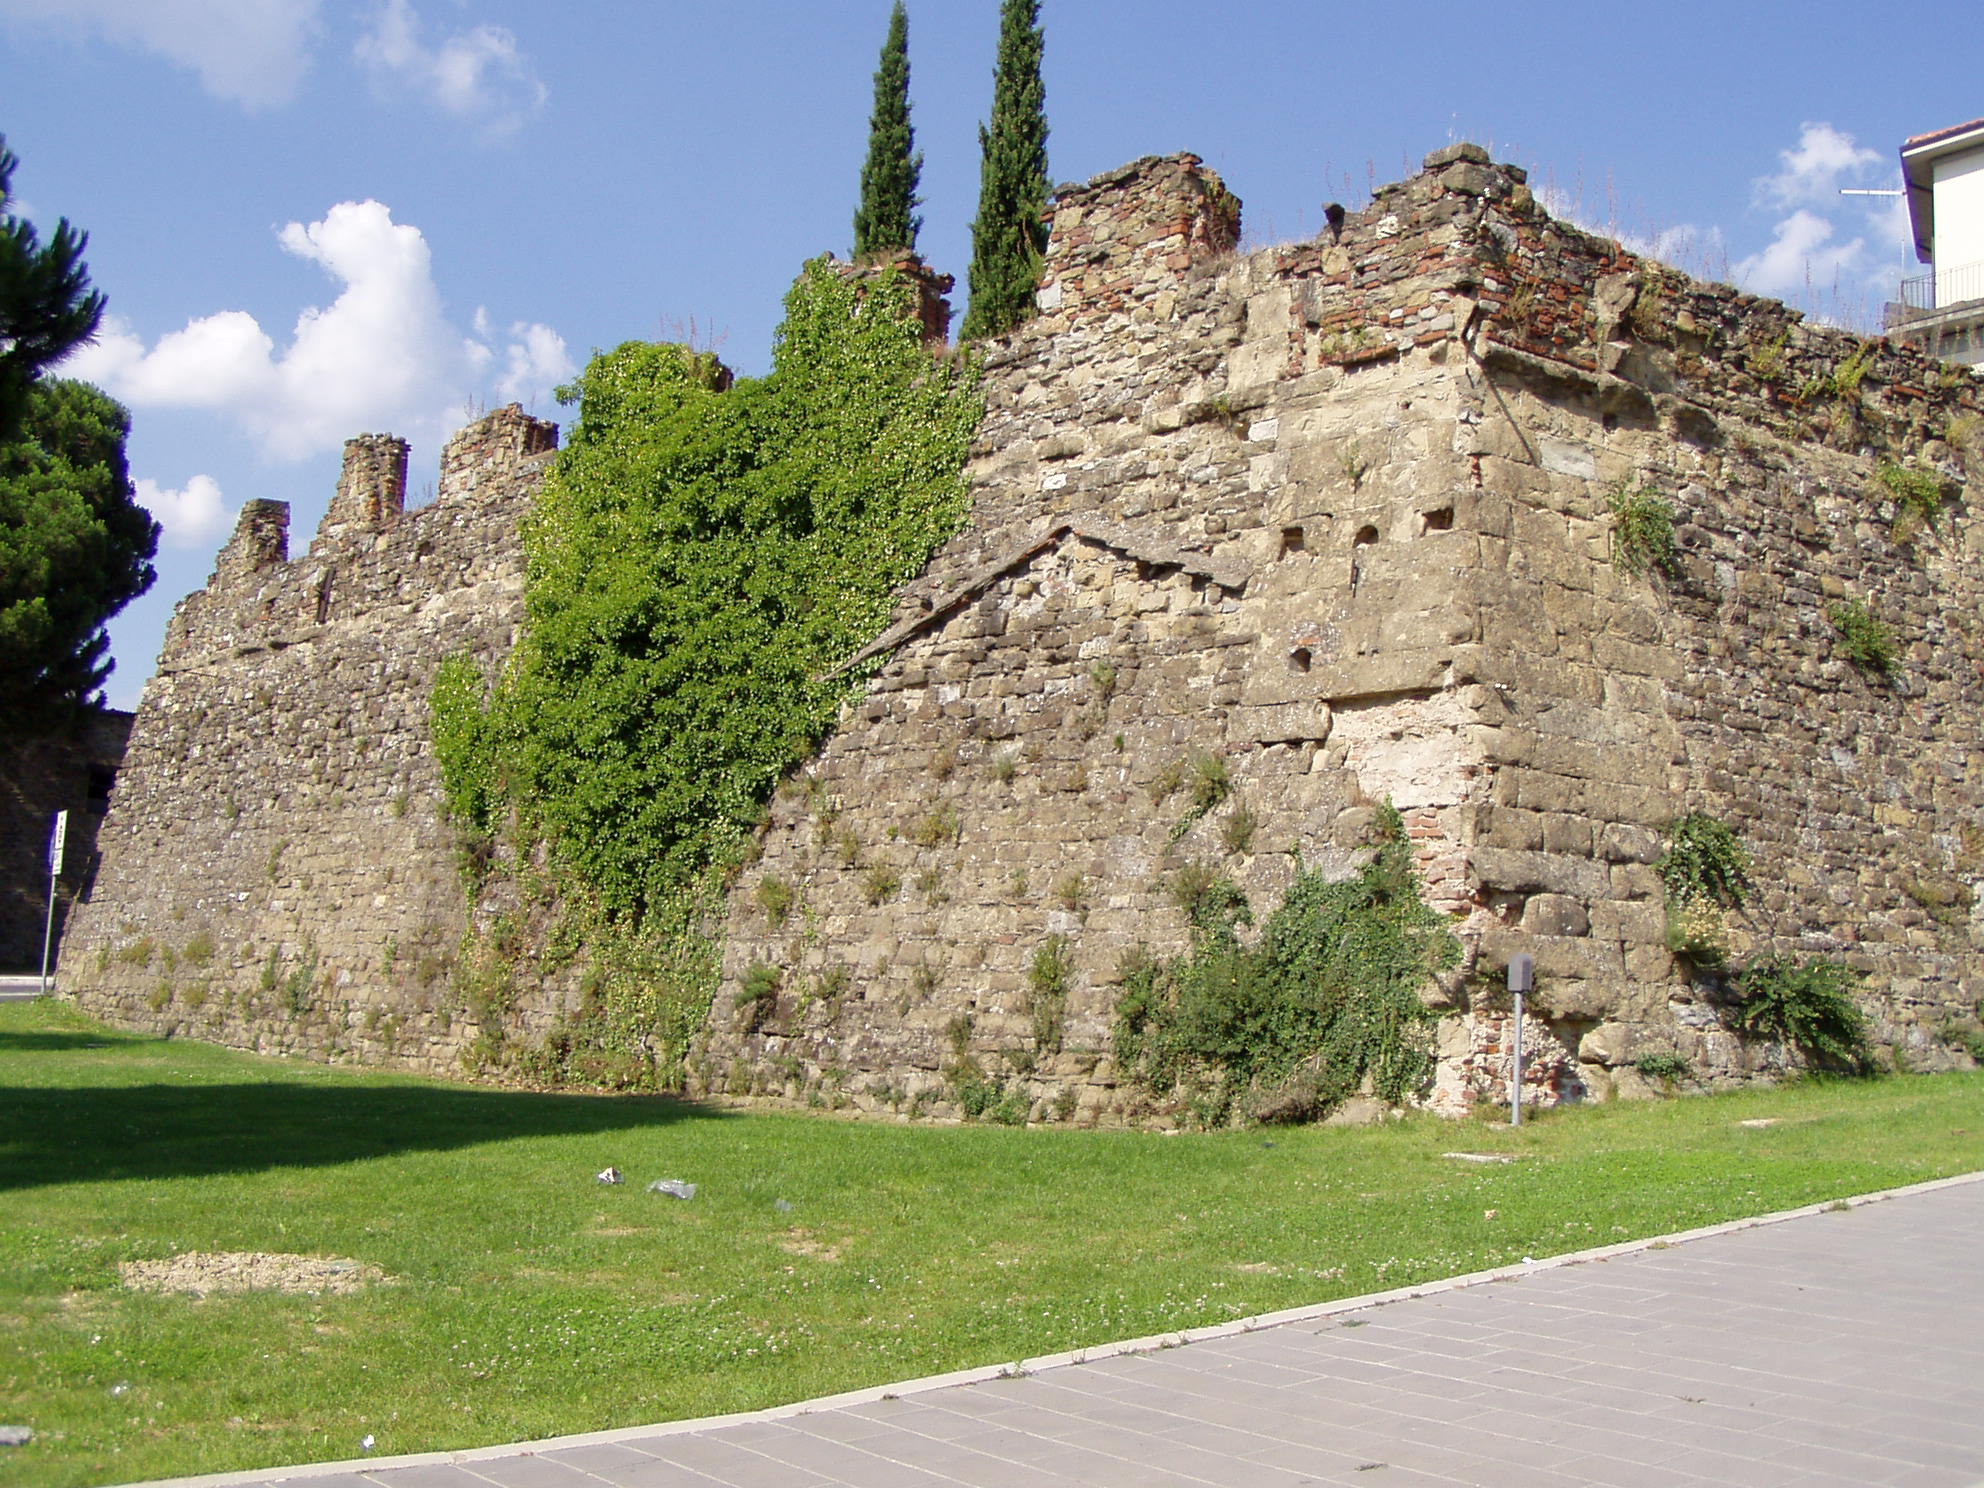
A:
[(56, 843)]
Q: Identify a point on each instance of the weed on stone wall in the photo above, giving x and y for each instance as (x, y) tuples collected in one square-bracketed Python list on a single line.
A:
[(1048, 979), (1642, 532), (774, 896), (1809, 1008), (1324, 1004), (1664, 1067), (1704, 872), (1864, 639), (1918, 497), (940, 826), (1203, 777)]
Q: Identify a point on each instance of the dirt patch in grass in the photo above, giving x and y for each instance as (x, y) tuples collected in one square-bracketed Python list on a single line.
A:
[(805, 1243), (199, 1272)]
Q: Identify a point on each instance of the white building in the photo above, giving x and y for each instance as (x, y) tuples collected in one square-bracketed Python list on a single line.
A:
[(1943, 310)]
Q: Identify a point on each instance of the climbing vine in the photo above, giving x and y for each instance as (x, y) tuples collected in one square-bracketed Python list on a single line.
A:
[(1324, 1001), (704, 560)]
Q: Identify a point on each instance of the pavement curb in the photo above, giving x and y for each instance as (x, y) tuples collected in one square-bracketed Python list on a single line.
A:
[(870, 1394)]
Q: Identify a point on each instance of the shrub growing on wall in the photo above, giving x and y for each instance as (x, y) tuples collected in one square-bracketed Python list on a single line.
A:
[(1326, 1000)]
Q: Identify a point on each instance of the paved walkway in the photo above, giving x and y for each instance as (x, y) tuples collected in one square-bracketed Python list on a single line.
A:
[(1840, 1346)]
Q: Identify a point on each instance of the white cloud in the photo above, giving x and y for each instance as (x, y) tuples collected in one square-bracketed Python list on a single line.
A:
[(1838, 256), (1823, 160), (192, 517), (250, 52), (1801, 257), (382, 355), (480, 75), (535, 359)]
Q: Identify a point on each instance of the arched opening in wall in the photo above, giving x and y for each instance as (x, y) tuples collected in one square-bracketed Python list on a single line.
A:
[(1438, 521), (1299, 659), (1291, 541), (1366, 535)]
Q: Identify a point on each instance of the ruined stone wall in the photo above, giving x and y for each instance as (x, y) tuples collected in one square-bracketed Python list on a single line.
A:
[(278, 870), (1339, 515), (1333, 519)]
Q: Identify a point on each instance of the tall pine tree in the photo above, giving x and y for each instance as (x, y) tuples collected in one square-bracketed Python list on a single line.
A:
[(47, 307), (886, 218), (1008, 238)]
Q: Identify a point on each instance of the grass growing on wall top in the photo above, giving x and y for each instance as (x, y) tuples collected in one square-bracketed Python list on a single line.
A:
[(528, 1300)]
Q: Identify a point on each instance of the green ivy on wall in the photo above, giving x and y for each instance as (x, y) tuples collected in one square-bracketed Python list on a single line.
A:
[(702, 558)]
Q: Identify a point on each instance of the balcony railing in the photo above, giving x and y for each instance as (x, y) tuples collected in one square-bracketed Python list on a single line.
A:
[(1944, 288)]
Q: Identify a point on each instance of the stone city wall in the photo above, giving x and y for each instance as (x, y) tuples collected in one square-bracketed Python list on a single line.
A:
[(1340, 515), (1334, 519), (279, 873)]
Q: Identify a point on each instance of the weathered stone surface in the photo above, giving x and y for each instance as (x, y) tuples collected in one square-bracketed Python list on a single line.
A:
[(278, 872), (1337, 515), (1409, 438)]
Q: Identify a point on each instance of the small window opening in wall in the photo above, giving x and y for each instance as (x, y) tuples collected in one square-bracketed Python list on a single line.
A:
[(1441, 520), (1298, 659), (1365, 537), (324, 597), (1291, 540)]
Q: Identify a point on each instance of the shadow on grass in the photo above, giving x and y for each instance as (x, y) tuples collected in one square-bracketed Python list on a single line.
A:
[(48, 1043), (89, 1134)]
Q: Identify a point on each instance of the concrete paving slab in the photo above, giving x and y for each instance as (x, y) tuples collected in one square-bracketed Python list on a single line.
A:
[(1824, 1347)]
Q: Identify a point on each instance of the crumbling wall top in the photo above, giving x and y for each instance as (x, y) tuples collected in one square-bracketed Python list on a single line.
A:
[(498, 446), (371, 493), (260, 540), (928, 288), (1121, 237)]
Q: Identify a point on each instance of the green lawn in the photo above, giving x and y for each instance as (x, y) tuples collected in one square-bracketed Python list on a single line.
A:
[(529, 1300)]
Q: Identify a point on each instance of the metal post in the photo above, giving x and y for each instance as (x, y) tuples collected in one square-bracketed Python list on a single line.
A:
[(1522, 977), (55, 845)]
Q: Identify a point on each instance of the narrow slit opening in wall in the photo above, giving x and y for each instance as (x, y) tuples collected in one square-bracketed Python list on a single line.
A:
[(1439, 521), (324, 597), (1291, 540), (1299, 659)]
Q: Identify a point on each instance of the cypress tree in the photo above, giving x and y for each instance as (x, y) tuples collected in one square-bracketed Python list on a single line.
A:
[(886, 217), (1008, 238)]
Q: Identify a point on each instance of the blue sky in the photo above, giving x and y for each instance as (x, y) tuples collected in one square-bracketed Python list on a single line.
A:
[(316, 218)]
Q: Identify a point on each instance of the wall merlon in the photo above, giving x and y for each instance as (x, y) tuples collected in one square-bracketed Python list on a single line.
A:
[(496, 447), (260, 541), (1122, 237), (371, 492)]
